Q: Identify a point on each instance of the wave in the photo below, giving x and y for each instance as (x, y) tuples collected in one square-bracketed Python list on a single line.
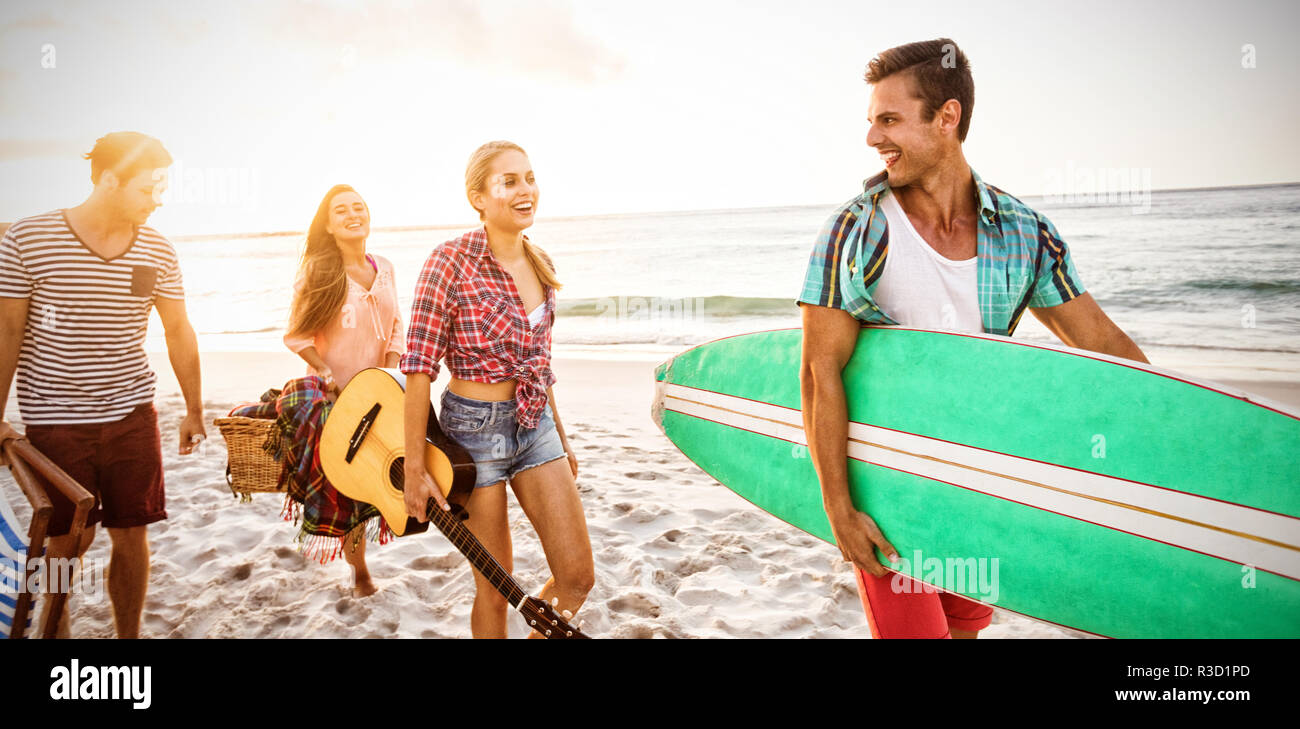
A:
[(1221, 347), (1218, 347), (685, 306), (263, 330), (685, 334), (1238, 284), (680, 339)]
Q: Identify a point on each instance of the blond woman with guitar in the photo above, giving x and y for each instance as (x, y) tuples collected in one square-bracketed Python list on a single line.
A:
[(486, 303)]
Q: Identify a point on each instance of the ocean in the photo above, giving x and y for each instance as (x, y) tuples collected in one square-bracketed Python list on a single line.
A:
[(1211, 273)]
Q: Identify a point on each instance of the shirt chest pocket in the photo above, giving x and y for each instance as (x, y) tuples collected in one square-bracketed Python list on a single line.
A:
[(143, 279), (494, 317), (1021, 276)]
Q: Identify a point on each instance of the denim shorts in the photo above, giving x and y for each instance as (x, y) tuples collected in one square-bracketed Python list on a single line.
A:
[(499, 445)]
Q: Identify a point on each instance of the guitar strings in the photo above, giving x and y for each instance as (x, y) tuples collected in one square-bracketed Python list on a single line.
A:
[(496, 574), (465, 540), (468, 544), (471, 547)]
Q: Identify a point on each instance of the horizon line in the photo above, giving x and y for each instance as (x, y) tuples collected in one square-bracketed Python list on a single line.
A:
[(691, 211)]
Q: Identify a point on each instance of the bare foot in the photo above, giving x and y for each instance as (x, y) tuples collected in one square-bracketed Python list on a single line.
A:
[(354, 551), (364, 587)]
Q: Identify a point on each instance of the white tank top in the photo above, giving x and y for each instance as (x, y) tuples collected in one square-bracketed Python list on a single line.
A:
[(920, 288)]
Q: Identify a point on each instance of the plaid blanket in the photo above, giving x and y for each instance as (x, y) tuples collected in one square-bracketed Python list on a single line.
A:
[(325, 516)]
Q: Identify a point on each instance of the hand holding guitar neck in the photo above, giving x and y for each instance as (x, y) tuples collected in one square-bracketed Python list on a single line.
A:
[(363, 454), (419, 492)]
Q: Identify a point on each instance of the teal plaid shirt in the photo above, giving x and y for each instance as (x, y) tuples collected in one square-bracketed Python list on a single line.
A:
[(1022, 260)]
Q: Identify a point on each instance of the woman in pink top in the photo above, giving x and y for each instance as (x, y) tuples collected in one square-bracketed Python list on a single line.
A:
[(345, 317)]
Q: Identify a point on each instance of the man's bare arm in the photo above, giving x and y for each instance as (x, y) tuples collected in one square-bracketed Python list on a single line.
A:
[(183, 351), (13, 326), (829, 338), (1080, 323)]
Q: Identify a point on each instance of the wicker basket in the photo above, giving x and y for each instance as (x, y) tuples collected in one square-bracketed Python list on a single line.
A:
[(250, 469)]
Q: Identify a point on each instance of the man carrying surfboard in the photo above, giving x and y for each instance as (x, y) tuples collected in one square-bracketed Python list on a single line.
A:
[(927, 244)]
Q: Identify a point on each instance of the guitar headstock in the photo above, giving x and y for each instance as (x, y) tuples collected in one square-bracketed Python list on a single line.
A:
[(543, 618)]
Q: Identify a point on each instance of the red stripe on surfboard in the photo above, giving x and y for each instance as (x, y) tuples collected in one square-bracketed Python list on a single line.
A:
[(995, 496), (1051, 348), (1000, 453)]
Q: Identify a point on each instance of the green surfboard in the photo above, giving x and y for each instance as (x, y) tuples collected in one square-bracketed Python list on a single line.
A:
[(1103, 495)]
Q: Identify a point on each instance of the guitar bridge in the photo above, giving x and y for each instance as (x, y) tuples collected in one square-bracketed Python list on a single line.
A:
[(363, 429)]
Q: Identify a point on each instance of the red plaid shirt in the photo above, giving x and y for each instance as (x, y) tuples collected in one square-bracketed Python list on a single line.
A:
[(467, 309)]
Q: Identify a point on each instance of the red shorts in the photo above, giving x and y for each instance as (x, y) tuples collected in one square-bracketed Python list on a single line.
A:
[(898, 606), (120, 463)]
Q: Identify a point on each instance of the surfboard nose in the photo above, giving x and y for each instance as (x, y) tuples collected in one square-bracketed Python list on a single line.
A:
[(657, 405), (661, 372)]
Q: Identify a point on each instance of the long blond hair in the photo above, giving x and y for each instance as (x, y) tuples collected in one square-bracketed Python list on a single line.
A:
[(324, 280), (476, 173)]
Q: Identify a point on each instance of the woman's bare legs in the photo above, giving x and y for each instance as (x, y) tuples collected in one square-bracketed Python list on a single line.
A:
[(487, 521), (354, 551), (549, 497)]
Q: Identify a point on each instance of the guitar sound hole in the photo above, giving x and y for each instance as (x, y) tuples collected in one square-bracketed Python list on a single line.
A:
[(397, 473)]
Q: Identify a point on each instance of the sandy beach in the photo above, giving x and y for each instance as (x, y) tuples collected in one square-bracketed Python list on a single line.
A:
[(677, 555)]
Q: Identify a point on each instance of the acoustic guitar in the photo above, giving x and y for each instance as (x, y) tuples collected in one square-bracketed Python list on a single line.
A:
[(363, 452)]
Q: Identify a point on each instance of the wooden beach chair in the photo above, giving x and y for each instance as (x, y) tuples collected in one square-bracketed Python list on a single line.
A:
[(24, 463)]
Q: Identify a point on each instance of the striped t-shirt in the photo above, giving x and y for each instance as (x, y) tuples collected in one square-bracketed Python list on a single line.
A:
[(82, 358)]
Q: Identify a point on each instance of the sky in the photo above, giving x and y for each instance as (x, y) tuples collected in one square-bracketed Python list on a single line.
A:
[(623, 107)]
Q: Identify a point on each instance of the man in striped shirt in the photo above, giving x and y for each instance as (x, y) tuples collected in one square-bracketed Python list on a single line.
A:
[(927, 244), (76, 289)]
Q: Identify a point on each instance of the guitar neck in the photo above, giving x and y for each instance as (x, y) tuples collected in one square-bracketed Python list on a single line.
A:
[(483, 561)]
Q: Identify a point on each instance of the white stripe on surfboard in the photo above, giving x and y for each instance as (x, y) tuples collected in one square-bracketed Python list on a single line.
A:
[(1241, 534)]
